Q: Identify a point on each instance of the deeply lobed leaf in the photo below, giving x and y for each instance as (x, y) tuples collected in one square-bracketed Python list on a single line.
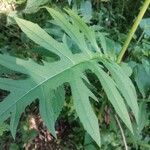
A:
[(45, 82)]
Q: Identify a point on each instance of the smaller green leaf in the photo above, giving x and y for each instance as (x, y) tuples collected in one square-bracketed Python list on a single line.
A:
[(142, 77), (113, 94), (127, 69), (70, 29), (86, 10), (145, 25), (88, 32), (34, 32), (124, 85)]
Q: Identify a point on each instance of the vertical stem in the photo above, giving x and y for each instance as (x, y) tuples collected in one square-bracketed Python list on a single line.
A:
[(123, 50), (133, 29), (140, 38), (122, 133)]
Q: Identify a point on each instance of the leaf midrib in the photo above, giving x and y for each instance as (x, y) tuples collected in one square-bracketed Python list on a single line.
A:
[(46, 80)]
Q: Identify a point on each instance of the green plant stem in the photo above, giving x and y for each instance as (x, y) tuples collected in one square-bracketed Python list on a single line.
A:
[(123, 50), (133, 29), (140, 38), (122, 133)]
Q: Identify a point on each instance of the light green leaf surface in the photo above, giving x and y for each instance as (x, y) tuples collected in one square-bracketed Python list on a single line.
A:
[(124, 85), (113, 94), (88, 32), (45, 82), (145, 25)]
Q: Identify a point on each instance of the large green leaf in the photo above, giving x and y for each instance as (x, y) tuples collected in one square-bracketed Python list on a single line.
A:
[(45, 82)]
